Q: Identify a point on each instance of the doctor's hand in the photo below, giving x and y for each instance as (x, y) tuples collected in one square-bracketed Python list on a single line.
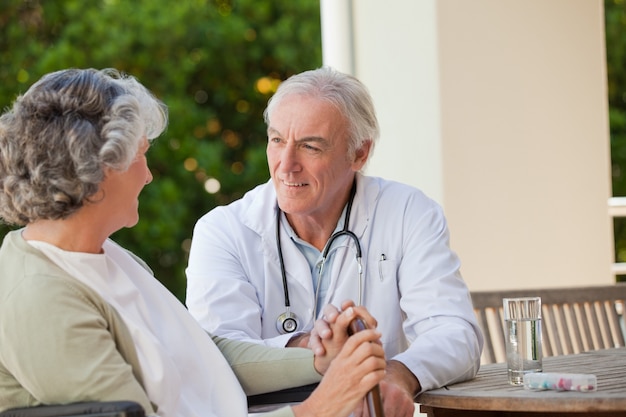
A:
[(357, 368), (397, 390), (397, 400), (335, 332), (396, 395), (323, 330)]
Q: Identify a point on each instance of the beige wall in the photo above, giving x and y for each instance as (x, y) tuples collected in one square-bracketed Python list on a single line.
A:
[(497, 109)]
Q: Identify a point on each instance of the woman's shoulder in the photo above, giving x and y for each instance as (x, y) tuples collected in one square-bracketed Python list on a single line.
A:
[(31, 280)]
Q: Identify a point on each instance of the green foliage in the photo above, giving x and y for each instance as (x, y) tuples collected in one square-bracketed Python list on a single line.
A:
[(615, 24), (215, 63), (615, 15)]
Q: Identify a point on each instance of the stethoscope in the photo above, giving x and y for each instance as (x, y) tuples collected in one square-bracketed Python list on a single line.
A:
[(287, 322)]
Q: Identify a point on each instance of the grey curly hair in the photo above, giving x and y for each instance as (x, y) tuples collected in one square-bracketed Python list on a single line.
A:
[(59, 136), (349, 95)]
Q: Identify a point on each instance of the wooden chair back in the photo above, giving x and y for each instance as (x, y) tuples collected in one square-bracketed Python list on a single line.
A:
[(573, 320)]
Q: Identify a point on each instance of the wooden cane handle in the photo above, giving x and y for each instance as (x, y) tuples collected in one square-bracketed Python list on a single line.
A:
[(374, 399)]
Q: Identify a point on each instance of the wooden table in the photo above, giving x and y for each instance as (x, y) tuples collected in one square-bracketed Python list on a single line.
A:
[(490, 395)]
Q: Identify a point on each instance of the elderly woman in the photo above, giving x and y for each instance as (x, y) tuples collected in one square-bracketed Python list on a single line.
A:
[(82, 319)]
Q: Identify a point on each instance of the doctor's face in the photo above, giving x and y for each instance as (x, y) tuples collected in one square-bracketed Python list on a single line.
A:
[(307, 154)]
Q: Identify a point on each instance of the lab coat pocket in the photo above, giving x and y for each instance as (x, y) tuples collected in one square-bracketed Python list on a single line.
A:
[(385, 269)]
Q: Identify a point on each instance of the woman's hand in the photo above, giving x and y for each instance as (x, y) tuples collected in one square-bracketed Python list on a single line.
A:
[(357, 367)]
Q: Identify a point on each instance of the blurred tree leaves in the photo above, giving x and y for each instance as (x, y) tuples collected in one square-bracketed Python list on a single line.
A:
[(615, 27), (214, 63)]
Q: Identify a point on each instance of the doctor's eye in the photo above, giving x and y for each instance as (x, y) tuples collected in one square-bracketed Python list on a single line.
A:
[(310, 147)]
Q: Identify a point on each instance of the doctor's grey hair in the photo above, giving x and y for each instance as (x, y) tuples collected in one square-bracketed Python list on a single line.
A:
[(349, 95), (59, 137)]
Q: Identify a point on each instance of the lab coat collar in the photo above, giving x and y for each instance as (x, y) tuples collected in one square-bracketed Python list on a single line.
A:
[(260, 215)]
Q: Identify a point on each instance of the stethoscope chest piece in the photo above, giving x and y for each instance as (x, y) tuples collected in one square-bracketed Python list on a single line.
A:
[(287, 322)]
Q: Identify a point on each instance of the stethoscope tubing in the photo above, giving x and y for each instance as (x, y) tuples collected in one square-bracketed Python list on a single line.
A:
[(344, 232)]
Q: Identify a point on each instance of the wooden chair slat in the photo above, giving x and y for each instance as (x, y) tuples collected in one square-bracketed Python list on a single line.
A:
[(548, 331), (582, 339), (574, 319)]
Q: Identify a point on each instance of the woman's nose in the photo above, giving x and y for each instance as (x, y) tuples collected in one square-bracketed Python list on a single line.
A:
[(149, 176)]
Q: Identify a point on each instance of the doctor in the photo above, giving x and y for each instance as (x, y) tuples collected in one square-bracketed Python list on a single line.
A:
[(261, 268)]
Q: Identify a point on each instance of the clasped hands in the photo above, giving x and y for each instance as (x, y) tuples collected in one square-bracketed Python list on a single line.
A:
[(357, 361)]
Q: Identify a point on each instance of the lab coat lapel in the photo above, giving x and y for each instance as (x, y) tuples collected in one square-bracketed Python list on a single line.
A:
[(261, 217)]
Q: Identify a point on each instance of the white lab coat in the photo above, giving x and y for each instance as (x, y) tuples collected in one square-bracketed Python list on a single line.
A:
[(412, 284)]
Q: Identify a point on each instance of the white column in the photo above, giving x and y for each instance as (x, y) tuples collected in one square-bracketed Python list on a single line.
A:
[(498, 110), (337, 46)]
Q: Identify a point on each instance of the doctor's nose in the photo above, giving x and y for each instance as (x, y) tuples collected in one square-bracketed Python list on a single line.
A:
[(289, 161)]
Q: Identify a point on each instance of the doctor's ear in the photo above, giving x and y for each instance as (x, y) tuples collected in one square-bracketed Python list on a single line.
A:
[(361, 155)]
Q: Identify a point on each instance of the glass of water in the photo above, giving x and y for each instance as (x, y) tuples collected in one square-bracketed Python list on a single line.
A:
[(522, 318)]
